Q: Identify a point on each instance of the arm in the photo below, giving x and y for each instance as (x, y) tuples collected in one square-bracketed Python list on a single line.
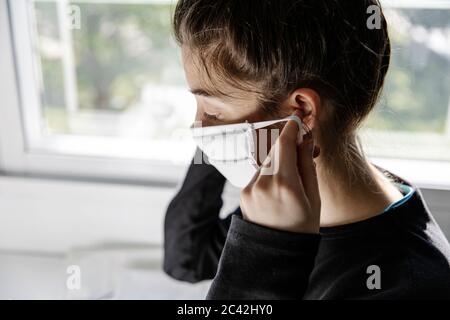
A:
[(193, 231), (263, 263)]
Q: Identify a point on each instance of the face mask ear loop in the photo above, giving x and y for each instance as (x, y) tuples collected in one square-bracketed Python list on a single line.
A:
[(260, 125), (295, 118), (263, 124), (301, 127)]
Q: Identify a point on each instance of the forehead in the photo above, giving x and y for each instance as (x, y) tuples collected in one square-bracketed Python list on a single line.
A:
[(210, 81), (196, 74)]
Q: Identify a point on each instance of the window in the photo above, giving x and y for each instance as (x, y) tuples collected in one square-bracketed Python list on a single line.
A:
[(103, 92), (102, 81), (409, 132), (412, 120), (116, 77)]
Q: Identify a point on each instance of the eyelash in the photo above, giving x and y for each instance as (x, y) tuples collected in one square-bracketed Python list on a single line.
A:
[(210, 116)]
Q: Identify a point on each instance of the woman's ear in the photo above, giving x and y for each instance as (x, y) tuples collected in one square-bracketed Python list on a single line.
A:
[(307, 102)]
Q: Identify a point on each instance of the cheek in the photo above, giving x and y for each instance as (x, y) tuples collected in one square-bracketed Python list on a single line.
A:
[(262, 146), (240, 113), (265, 139)]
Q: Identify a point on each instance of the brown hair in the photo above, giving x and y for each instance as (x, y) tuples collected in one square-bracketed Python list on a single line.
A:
[(273, 47)]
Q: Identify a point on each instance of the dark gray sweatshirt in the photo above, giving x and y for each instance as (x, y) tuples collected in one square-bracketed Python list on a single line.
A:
[(399, 254)]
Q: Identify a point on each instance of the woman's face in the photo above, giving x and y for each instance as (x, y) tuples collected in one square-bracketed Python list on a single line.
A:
[(238, 106)]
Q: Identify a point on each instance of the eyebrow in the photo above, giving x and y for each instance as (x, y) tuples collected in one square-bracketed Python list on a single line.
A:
[(202, 92)]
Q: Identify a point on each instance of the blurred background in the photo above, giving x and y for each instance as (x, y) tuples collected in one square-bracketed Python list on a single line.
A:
[(93, 145)]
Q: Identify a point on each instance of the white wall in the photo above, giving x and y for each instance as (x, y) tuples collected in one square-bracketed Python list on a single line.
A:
[(41, 215), (113, 232), (55, 216)]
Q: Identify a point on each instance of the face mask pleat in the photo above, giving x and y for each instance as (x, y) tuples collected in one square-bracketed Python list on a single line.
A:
[(232, 148), (229, 146)]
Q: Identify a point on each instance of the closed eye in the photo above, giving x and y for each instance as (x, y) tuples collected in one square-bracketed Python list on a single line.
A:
[(210, 116)]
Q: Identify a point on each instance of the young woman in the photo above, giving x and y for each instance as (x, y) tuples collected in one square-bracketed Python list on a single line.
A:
[(368, 233)]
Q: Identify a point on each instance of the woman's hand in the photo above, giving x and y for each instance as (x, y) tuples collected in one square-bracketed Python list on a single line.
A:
[(287, 199)]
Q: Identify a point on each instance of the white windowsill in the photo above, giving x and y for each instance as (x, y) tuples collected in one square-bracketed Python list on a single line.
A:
[(433, 175)]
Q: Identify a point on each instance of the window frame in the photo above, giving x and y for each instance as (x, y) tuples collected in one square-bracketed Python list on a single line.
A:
[(18, 129), (17, 158)]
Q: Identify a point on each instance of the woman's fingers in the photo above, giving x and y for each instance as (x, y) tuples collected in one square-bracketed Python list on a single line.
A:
[(276, 197), (286, 150), (308, 171), (282, 158)]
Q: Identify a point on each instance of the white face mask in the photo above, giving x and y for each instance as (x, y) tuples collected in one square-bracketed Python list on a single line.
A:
[(231, 149)]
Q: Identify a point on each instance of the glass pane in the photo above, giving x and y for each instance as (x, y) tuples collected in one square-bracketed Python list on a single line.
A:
[(118, 74), (411, 120)]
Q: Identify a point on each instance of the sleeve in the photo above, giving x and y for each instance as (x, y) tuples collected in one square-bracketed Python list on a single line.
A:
[(264, 264), (194, 234)]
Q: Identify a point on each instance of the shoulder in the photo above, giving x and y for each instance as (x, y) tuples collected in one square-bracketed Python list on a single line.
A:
[(423, 250)]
